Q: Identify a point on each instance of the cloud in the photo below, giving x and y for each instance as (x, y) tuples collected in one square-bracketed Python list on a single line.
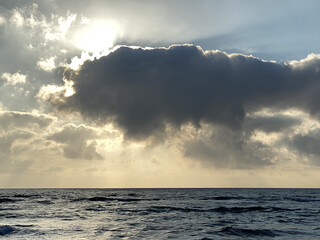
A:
[(308, 145), (143, 90), (17, 132), (21, 120), (17, 18), (59, 31), (244, 111), (270, 124), (264, 140), (30, 141), (30, 17), (226, 148), (78, 141), (2, 20), (7, 140), (47, 64), (13, 79)]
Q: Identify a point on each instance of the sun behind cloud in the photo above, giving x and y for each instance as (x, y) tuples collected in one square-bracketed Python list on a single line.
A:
[(96, 36)]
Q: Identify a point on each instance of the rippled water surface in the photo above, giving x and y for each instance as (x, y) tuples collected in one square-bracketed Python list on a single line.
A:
[(160, 213)]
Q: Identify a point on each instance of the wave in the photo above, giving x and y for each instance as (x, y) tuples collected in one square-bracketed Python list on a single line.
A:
[(7, 200), (98, 208), (238, 209), (11, 215), (225, 198), (6, 229), (24, 225), (243, 232), (250, 209), (218, 209), (222, 210), (25, 196), (109, 199), (303, 199), (133, 195), (7, 209), (159, 209), (95, 209), (46, 202), (114, 199)]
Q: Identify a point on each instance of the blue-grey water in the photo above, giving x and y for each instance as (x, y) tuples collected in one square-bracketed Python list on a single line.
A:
[(160, 213)]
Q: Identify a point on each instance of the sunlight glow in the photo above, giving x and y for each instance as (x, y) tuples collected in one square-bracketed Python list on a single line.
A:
[(96, 36)]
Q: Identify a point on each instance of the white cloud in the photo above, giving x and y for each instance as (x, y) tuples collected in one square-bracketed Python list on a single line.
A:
[(85, 20), (309, 61), (76, 61), (50, 28), (13, 79), (2, 20), (17, 18), (47, 64), (57, 32), (50, 92)]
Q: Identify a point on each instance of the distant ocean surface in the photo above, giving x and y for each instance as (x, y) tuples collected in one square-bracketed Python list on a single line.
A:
[(160, 214)]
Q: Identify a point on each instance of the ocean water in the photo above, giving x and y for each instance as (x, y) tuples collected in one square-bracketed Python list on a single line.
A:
[(160, 214)]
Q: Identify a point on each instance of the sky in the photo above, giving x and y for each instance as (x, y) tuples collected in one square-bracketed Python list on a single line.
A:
[(135, 94)]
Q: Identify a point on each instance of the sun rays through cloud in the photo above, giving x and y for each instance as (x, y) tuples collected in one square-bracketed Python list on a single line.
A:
[(150, 90), (96, 36)]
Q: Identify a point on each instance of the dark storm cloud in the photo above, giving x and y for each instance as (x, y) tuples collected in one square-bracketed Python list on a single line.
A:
[(271, 124), (308, 144), (226, 148), (143, 90)]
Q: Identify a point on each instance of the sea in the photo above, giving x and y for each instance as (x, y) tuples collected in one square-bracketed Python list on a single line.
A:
[(160, 214)]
